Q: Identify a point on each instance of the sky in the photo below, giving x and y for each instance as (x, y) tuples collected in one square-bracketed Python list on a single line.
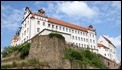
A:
[(105, 16)]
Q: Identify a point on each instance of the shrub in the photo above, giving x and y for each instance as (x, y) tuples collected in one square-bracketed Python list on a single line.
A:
[(22, 64), (24, 50), (14, 64), (84, 57), (73, 54), (6, 66), (33, 61), (56, 35), (5, 52)]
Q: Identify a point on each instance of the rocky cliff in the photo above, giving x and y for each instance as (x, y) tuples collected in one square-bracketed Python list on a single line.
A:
[(50, 50)]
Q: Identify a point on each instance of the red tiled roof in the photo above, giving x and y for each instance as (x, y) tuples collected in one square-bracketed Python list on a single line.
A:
[(108, 40), (56, 21), (101, 45)]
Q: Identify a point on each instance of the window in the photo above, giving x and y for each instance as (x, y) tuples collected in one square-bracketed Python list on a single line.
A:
[(79, 44), (63, 28), (91, 46), (60, 27), (75, 31), (91, 40), (52, 26), (48, 25), (81, 33), (43, 23), (25, 32), (67, 29), (25, 25), (79, 38), (72, 31), (84, 45), (105, 54), (93, 35), (56, 27), (78, 32), (84, 39), (38, 22), (38, 29), (72, 37), (76, 37), (94, 47)]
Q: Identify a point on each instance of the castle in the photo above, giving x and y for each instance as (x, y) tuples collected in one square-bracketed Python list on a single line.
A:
[(84, 37)]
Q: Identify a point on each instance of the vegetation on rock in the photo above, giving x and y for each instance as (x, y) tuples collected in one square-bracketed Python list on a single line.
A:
[(56, 35), (22, 49), (84, 57)]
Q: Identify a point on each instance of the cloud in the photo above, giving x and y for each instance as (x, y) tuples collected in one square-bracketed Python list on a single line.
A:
[(76, 8), (11, 18), (116, 3), (115, 40)]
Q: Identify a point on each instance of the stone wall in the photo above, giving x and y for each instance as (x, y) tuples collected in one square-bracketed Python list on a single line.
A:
[(48, 49), (108, 63)]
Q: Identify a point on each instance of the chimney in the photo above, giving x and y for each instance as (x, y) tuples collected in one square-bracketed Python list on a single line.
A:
[(41, 12)]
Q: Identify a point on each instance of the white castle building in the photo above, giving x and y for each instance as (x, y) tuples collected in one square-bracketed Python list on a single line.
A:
[(106, 48), (34, 23)]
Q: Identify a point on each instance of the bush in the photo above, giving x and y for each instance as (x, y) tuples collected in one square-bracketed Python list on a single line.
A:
[(5, 52), (14, 64), (33, 61), (24, 50), (56, 35), (84, 57), (22, 64), (73, 54), (8, 50), (6, 66)]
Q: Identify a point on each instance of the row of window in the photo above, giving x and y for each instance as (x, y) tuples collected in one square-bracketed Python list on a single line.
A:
[(84, 45), (25, 39), (106, 54), (25, 32), (44, 19), (82, 39), (57, 27), (76, 38)]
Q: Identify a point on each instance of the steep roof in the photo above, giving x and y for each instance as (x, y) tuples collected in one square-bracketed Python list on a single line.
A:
[(101, 45), (108, 41)]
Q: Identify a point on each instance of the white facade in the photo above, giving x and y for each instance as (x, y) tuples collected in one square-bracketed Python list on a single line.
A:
[(110, 51), (34, 23)]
